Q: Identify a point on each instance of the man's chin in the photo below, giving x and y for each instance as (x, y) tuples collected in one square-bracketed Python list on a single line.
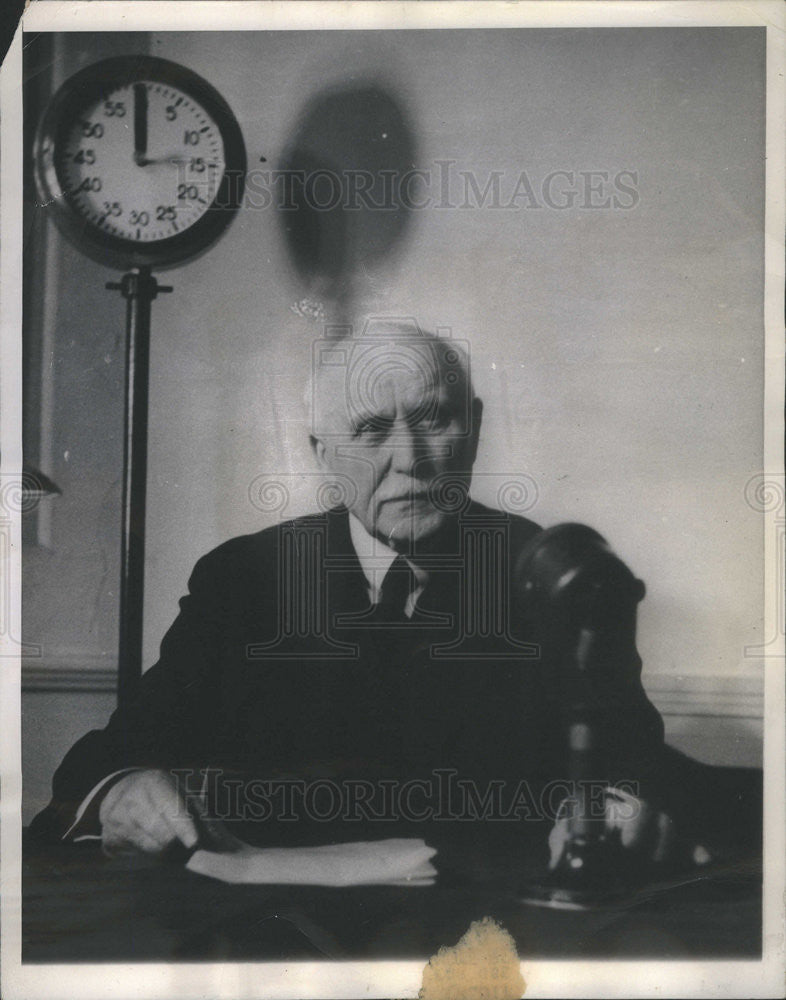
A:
[(410, 529)]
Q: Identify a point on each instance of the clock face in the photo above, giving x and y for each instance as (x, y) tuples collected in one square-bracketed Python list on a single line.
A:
[(143, 162), (140, 161)]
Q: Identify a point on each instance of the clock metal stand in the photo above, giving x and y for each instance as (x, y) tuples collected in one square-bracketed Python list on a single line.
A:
[(139, 288), (112, 102)]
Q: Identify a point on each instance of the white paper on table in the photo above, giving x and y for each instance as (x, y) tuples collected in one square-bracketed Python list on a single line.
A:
[(396, 861)]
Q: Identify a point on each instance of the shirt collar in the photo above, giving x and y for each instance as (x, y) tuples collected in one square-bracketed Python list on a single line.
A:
[(376, 558)]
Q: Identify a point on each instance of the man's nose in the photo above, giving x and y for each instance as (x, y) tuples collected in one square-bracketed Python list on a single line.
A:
[(406, 446)]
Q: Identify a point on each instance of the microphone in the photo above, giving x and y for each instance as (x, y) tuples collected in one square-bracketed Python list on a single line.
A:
[(584, 599)]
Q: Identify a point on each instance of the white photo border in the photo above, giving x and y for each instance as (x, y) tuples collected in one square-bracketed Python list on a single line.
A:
[(382, 979)]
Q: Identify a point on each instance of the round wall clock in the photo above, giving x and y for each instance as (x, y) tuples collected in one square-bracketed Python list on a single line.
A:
[(141, 162)]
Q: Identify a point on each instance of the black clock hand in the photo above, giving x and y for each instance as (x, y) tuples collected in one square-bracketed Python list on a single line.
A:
[(140, 124)]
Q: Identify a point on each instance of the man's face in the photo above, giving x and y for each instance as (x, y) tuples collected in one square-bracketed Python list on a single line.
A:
[(392, 420)]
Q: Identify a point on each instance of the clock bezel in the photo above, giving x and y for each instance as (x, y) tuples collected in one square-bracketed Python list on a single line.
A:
[(91, 84)]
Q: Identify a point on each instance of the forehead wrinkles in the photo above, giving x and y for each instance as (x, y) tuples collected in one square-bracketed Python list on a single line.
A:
[(377, 378), (380, 378)]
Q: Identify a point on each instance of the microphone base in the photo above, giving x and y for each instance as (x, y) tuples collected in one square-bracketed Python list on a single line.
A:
[(590, 875), (558, 896)]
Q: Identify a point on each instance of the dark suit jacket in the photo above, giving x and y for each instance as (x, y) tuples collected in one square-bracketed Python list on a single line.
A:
[(275, 666)]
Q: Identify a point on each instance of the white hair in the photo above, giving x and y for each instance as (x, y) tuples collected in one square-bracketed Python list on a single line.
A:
[(395, 329)]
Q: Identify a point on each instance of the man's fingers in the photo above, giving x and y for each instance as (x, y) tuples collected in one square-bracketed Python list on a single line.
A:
[(631, 817), (558, 837), (121, 838), (152, 838), (634, 831), (182, 828), (146, 839), (149, 841), (172, 819), (666, 837), (157, 826), (144, 810), (641, 827)]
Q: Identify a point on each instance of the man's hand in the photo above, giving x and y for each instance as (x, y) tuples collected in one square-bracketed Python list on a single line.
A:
[(640, 828), (143, 811)]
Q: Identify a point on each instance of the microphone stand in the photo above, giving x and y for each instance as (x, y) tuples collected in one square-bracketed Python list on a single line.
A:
[(584, 596)]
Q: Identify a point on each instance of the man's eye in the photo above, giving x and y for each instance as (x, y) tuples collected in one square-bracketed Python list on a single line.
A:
[(434, 421), (376, 426)]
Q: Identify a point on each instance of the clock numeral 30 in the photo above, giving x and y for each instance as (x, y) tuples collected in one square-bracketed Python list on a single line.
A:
[(139, 218)]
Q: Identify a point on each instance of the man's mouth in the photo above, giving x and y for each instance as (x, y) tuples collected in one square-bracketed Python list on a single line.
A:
[(411, 497)]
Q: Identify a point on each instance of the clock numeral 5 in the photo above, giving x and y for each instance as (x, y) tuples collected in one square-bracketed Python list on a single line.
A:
[(166, 213), (114, 109)]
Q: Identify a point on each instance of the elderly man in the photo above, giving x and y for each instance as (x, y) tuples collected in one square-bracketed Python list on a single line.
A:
[(382, 640)]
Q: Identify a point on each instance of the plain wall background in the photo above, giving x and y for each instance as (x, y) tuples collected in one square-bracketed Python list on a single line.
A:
[(619, 352)]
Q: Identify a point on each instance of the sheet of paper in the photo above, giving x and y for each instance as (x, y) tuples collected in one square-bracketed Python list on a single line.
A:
[(396, 861)]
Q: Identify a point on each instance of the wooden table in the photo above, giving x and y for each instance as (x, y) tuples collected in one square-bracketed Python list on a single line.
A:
[(79, 906)]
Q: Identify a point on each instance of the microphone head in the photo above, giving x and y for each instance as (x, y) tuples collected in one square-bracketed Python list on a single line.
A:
[(571, 569)]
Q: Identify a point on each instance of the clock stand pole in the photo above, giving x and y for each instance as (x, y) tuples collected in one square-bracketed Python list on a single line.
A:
[(138, 287)]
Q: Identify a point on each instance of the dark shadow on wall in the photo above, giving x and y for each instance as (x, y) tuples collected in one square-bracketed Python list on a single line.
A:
[(348, 187)]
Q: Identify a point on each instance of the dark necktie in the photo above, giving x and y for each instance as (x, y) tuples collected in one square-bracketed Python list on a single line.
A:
[(399, 583)]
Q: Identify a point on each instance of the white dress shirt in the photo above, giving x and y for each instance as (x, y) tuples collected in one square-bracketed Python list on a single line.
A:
[(376, 559)]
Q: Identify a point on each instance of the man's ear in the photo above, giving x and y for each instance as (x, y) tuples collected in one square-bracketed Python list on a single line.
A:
[(477, 419), (318, 449)]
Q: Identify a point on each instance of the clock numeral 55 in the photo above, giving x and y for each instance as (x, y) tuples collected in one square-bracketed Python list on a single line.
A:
[(114, 109)]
